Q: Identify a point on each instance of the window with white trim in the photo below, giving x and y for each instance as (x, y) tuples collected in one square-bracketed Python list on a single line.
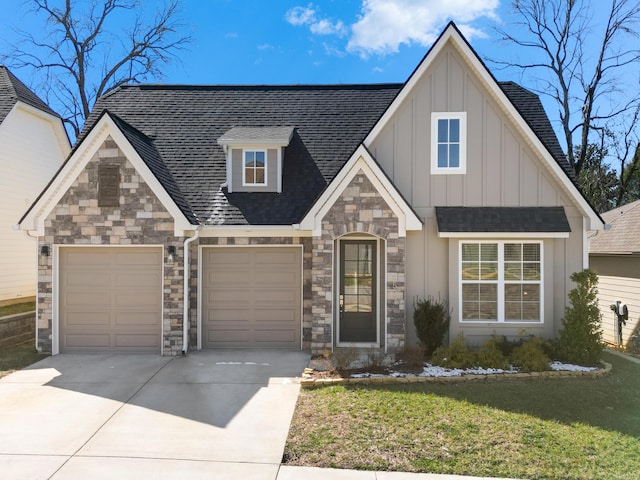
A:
[(501, 282), (448, 142), (254, 167)]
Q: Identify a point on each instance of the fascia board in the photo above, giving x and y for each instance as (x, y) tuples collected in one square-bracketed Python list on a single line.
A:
[(498, 235), (471, 58), (361, 160), (79, 160)]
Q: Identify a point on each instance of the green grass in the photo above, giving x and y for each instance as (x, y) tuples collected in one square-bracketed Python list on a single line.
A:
[(559, 428), (17, 308), (17, 357)]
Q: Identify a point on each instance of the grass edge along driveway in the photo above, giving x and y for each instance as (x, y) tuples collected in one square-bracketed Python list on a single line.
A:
[(585, 428)]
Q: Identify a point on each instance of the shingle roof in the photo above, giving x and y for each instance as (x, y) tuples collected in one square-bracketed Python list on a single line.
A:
[(180, 126), (273, 135), (502, 219), (624, 234), (13, 90), (184, 123)]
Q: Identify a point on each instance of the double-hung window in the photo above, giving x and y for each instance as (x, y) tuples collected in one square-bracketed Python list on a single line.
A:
[(501, 281), (448, 143), (255, 168)]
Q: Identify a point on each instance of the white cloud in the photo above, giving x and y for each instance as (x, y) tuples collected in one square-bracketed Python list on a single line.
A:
[(386, 24), (309, 17), (300, 15)]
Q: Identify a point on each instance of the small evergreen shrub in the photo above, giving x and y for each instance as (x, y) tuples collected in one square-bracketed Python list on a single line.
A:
[(491, 354), (431, 318), (456, 355), (530, 356), (580, 339)]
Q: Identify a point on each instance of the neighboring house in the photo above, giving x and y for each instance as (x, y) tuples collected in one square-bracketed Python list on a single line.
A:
[(310, 216), (614, 254), (33, 145)]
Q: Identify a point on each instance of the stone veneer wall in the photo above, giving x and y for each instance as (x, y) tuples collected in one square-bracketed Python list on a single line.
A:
[(139, 220), (360, 209), (306, 276)]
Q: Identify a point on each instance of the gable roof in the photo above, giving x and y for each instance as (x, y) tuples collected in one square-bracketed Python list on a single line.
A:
[(13, 90), (623, 235), (521, 105)]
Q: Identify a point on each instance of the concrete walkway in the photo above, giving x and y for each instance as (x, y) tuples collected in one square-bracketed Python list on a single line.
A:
[(215, 414)]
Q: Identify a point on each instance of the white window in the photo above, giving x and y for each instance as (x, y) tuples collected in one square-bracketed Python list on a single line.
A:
[(255, 167), (448, 142), (501, 282)]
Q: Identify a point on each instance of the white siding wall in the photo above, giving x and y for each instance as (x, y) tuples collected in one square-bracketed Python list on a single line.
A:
[(30, 153)]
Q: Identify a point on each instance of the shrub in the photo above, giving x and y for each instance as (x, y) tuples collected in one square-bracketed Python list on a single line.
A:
[(530, 356), (456, 355), (344, 358), (491, 354), (431, 318), (580, 339), (376, 359), (412, 356)]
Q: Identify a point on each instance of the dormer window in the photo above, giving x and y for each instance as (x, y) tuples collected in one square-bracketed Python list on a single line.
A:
[(255, 168), (254, 157)]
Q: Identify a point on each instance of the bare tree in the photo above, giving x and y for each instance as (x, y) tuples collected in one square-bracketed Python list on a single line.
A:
[(82, 54), (580, 62)]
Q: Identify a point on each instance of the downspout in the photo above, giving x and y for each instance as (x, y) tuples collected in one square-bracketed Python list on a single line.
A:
[(187, 297)]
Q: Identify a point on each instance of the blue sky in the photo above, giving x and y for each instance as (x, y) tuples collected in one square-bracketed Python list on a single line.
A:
[(311, 41)]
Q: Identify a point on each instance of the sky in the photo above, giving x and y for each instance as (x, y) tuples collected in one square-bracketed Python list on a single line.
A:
[(310, 42)]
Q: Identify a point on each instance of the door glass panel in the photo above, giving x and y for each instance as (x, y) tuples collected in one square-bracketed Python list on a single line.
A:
[(358, 291)]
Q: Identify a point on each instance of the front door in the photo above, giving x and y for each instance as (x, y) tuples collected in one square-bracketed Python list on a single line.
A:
[(358, 285)]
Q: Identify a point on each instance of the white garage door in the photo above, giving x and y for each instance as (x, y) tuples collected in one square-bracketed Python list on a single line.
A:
[(110, 299), (251, 297)]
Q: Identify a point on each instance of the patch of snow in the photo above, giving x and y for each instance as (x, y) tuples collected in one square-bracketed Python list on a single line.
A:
[(557, 366)]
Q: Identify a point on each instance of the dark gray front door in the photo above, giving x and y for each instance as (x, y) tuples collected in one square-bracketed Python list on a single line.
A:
[(358, 280)]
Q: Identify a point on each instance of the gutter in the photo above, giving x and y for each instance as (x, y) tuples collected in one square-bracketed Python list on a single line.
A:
[(187, 276)]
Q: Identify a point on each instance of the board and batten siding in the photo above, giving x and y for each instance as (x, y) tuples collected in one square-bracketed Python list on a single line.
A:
[(502, 170), (618, 279), (30, 154)]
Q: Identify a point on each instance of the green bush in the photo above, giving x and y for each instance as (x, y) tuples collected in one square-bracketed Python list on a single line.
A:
[(580, 339), (456, 355), (431, 318), (530, 356), (491, 354)]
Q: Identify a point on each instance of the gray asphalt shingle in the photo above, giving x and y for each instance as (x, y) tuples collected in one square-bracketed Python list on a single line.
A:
[(502, 219), (13, 90)]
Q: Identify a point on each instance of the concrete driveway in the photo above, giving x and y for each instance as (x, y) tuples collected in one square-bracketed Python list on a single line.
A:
[(212, 414)]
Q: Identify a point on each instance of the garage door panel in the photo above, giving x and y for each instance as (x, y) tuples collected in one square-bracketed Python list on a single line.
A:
[(135, 279), (136, 300), (88, 258), (252, 296), (110, 299), (87, 279), (271, 296), (85, 298), (277, 277), (139, 259), (229, 277), (277, 258), (87, 340), (88, 319), (136, 320), (136, 341)]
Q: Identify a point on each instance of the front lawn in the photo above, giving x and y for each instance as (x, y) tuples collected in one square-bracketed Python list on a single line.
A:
[(17, 357), (545, 428)]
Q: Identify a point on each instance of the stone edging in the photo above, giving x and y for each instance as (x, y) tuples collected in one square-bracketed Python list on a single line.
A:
[(307, 381)]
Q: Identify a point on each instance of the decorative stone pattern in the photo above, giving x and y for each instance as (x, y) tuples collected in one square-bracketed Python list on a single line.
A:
[(307, 256), (140, 219), (360, 209)]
